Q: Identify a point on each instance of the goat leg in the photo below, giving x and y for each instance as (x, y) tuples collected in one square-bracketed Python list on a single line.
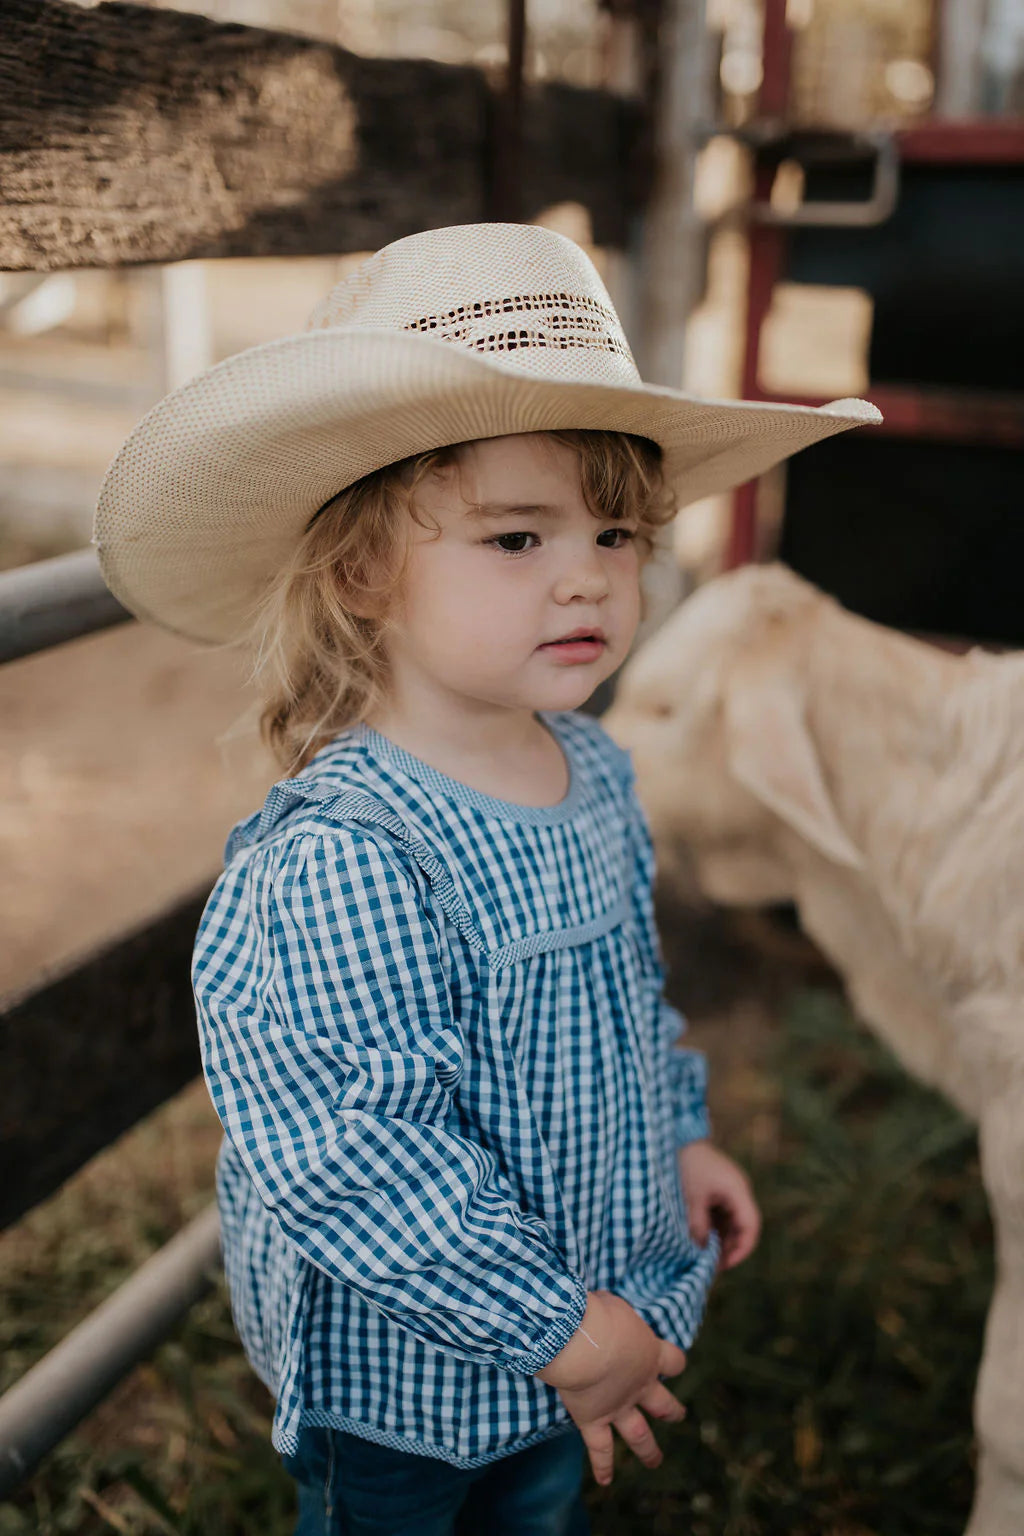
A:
[(999, 1399)]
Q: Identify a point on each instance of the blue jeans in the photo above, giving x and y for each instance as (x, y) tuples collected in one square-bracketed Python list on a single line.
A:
[(349, 1486)]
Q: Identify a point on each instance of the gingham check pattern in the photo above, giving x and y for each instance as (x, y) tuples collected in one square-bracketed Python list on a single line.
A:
[(432, 1025)]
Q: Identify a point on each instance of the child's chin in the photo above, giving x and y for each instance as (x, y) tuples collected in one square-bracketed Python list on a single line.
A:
[(572, 691)]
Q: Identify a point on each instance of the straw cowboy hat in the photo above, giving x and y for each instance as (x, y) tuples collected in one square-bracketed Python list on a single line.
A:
[(478, 330)]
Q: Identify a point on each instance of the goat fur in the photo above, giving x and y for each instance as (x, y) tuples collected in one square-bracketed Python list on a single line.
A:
[(803, 753)]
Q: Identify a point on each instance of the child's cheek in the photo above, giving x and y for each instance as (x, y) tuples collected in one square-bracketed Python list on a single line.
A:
[(630, 606), (476, 616)]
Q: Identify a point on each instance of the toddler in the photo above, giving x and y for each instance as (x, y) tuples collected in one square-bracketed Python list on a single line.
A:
[(470, 1210)]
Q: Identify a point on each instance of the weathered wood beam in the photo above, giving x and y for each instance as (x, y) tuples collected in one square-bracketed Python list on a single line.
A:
[(92, 1051), (131, 134)]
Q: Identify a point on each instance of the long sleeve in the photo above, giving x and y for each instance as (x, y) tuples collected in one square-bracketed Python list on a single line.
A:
[(332, 1051), (689, 1079), (687, 1069)]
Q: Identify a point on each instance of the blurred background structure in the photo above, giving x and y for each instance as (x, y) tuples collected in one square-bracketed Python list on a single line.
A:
[(789, 199), (837, 210)]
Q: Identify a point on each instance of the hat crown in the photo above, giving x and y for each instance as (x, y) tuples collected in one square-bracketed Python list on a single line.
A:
[(511, 291)]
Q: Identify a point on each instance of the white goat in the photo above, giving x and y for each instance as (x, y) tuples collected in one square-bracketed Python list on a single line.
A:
[(805, 754)]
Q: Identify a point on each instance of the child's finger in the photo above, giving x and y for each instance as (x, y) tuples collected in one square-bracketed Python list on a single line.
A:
[(742, 1245), (739, 1225), (730, 1253), (671, 1359), (658, 1401), (700, 1221), (598, 1440), (639, 1436)]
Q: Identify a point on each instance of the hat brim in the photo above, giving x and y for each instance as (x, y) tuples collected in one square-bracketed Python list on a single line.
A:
[(209, 494)]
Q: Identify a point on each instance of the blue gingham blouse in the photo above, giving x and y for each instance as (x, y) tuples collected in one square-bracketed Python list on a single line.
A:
[(432, 1025)]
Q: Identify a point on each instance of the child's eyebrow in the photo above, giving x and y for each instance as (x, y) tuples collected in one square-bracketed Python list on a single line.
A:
[(493, 509)]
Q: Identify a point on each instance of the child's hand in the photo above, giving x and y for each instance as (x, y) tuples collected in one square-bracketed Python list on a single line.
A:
[(718, 1194), (606, 1386)]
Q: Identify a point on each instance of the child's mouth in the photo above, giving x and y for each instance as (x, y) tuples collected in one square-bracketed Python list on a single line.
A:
[(575, 647)]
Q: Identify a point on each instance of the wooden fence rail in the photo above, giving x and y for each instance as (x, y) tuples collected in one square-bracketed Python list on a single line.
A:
[(130, 134), (90, 1052)]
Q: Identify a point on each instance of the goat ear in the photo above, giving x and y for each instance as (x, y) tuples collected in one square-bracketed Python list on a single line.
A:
[(771, 753)]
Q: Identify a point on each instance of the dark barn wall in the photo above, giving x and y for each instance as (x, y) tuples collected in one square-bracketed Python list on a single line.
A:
[(926, 533), (919, 535)]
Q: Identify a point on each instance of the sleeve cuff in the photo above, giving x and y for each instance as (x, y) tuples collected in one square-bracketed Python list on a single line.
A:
[(691, 1109), (553, 1340), (692, 1125)]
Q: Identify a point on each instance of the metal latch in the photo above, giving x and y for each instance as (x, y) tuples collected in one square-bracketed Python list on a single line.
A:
[(811, 149)]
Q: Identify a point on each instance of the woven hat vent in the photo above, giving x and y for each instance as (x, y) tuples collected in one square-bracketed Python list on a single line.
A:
[(543, 306)]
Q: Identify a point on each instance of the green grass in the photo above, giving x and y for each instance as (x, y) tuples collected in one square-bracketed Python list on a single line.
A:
[(829, 1393)]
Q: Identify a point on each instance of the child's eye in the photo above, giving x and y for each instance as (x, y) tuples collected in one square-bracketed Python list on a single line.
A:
[(615, 535), (511, 543)]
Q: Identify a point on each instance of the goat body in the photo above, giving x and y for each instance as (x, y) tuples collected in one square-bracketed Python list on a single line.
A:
[(802, 753)]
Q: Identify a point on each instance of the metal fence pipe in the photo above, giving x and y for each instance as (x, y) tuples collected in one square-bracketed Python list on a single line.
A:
[(47, 1403), (52, 601)]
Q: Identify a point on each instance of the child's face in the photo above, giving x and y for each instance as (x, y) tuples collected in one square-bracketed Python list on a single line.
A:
[(520, 561)]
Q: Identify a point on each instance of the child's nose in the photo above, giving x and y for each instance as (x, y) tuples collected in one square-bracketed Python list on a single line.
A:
[(583, 576)]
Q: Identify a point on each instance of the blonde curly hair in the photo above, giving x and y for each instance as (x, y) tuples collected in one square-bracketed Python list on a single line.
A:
[(318, 637)]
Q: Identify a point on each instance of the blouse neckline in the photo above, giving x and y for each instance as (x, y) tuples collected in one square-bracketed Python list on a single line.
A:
[(383, 748)]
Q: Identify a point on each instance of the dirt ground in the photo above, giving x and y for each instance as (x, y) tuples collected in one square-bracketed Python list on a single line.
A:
[(117, 788)]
